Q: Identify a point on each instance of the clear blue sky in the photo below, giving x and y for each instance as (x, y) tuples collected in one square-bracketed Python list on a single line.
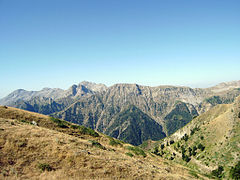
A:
[(56, 43)]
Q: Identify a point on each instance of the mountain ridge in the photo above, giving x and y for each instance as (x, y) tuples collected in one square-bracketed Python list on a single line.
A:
[(102, 87), (96, 109)]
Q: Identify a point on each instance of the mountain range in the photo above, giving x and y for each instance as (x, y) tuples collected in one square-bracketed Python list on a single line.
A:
[(130, 112)]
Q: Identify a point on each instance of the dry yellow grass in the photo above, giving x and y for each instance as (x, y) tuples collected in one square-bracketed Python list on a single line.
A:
[(23, 147)]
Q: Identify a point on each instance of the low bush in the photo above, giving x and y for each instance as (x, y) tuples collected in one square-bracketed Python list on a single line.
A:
[(235, 171), (194, 130), (60, 123), (97, 144), (185, 157), (85, 130), (137, 150), (156, 150), (44, 167), (88, 131), (74, 126), (162, 146), (185, 137), (201, 147), (24, 121), (114, 142), (129, 154), (218, 172)]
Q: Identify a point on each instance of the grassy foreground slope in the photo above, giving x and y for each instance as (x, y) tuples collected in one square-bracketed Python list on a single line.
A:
[(210, 143), (34, 146)]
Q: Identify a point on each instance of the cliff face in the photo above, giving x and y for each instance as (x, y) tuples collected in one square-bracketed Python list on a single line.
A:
[(99, 107)]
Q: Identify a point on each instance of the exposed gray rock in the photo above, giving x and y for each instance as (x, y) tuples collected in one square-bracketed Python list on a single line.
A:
[(99, 107)]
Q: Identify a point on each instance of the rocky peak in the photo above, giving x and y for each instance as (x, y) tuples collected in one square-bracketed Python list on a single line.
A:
[(93, 86), (77, 90)]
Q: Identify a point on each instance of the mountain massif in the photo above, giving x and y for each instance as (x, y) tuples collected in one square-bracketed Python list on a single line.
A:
[(130, 112), (186, 133)]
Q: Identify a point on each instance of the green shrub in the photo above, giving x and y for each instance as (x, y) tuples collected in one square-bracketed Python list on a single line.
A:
[(137, 150), (218, 172), (85, 130), (24, 121), (74, 126), (60, 123), (129, 154), (194, 153), (21, 144), (156, 151), (183, 149), (185, 158), (235, 171), (44, 167), (201, 147), (114, 142), (194, 130), (88, 131), (162, 146), (97, 144), (190, 151), (185, 137)]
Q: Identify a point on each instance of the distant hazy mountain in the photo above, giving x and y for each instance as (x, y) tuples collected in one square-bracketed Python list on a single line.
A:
[(56, 94), (100, 107), (22, 94), (225, 86)]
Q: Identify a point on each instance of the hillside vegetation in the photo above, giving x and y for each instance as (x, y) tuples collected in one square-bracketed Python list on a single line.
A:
[(135, 128), (210, 143), (35, 146)]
